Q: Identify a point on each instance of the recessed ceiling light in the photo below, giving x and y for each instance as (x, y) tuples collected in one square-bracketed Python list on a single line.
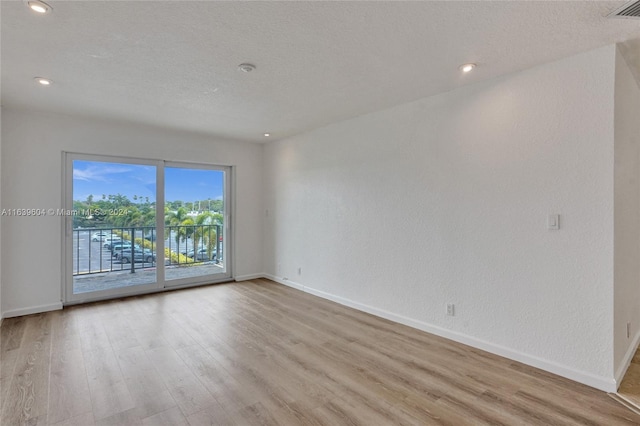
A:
[(266, 135), (43, 81), (38, 6), (467, 67), (246, 67)]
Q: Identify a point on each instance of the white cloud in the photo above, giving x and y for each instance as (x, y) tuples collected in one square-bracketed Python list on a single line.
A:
[(99, 173)]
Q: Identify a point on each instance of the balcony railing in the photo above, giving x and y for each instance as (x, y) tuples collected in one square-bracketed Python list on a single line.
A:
[(100, 250)]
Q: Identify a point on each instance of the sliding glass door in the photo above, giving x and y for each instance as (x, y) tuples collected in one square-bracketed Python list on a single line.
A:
[(195, 211), (135, 226)]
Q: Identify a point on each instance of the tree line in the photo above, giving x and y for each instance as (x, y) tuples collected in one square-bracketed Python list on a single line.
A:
[(118, 211)]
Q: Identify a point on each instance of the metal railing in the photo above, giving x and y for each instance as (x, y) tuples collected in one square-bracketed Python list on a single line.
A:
[(100, 250)]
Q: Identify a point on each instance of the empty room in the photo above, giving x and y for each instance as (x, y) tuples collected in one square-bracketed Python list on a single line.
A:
[(319, 213)]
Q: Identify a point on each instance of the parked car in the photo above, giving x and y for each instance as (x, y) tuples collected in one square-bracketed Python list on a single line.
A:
[(139, 255), (186, 250), (202, 255), (108, 242), (118, 247), (99, 236)]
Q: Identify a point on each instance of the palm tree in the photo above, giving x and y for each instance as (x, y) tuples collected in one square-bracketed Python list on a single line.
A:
[(217, 218), (134, 218), (150, 218), (180, 221), (174, 217), (202, 231), (185, 230)]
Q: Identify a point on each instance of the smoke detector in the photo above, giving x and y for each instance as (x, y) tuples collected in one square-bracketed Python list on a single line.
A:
[(246, 67), (629, 10)]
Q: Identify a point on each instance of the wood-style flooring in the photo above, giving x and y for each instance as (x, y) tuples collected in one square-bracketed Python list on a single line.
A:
[(630, 386), (259, 353)]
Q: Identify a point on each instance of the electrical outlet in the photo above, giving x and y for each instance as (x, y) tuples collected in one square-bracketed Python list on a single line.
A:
[(451, 309), (628, 330), (300, 271)]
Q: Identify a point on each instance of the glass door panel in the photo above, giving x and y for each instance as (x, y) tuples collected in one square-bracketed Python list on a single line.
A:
[(136, 225), (195, 209), (113, 226)]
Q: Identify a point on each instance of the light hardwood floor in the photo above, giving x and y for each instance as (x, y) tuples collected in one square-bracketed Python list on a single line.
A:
[(630, 386), (258, 353)]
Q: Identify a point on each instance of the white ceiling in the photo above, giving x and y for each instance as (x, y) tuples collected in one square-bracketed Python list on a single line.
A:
[(175, 64)]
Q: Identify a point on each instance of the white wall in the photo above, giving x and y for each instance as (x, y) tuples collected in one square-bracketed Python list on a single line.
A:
[(32, 145), (627, 216), (1, 306), (445, 200)]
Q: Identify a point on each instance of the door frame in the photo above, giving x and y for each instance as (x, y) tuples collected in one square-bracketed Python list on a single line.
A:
[(226, 229), (161, 284)]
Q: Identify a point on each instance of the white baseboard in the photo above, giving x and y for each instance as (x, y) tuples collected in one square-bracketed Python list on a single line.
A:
[(287, 282), (249, 277), (599, 382), (33, 310), (626, 361)]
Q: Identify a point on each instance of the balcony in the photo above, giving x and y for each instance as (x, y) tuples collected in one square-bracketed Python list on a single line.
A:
[(106, 258)]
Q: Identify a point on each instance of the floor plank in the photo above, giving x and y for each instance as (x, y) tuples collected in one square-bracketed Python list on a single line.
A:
[(630, 386), (258, 353), (28, 392), (110, 394)]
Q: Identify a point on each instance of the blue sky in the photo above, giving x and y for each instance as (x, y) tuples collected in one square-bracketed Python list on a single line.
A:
[(97, 178)]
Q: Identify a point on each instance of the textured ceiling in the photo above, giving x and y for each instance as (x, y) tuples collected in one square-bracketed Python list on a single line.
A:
[(175, 64)]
